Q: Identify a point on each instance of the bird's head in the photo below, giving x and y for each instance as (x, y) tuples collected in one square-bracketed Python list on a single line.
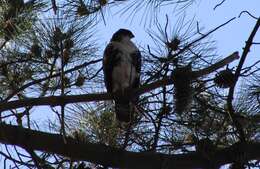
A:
[(122, 34)]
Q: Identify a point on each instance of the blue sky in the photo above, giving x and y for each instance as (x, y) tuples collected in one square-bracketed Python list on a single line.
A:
[(230, 38)]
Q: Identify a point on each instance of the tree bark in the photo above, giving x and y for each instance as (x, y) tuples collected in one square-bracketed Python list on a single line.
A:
[(113, 157)]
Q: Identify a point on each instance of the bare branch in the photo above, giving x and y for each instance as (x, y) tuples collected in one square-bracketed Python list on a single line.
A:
[(219, 4), (54, 6), (248, 14), (54, 100), (200, 38), (237, 74), (63, 100), (198, 29), (217, 65), (51, 76)]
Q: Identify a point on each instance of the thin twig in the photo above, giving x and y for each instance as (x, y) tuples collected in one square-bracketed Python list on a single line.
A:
[(199, 39), (198, 29), (54, 6), (219, 4), (49, 77), (248, 14), (3, 44)]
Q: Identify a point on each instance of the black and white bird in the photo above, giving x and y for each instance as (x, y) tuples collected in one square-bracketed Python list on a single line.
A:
[(122, 66)]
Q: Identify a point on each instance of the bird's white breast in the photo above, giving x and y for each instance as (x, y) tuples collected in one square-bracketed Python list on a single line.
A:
[(124, 73)]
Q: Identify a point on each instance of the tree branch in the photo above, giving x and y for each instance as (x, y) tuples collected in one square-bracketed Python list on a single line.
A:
[(199, 39), (237, 74), (54, 100), (219, 4), (63, 100), (113, 157), (49, 77), (217, 65)]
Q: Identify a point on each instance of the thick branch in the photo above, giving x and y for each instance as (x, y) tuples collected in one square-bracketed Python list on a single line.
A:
[(63, 100), (113, 157), (237, 74), (54, 100), (217, 65)]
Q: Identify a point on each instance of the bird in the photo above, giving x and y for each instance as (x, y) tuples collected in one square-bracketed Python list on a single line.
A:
[(121, 68)]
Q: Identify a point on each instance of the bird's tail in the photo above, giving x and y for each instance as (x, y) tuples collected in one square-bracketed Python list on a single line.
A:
[(123, 110)]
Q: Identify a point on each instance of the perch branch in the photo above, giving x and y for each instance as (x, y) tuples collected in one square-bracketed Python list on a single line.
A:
[(63, 100)]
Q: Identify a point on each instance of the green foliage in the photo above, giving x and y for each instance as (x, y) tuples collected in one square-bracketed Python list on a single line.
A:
[(100, 127), (17, 17)]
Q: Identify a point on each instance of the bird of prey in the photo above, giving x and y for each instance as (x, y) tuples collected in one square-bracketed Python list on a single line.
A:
[(122, 66)]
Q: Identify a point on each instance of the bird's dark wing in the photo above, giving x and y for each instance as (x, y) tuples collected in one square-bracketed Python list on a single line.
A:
[(110, 60), (112, 56), (136, 59)]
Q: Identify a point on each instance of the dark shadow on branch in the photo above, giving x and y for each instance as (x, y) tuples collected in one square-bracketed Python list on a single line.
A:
[(113, 157)]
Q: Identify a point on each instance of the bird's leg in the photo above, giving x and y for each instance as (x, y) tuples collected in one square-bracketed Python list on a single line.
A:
[(239, 155), (206, 149), (118, 93)]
